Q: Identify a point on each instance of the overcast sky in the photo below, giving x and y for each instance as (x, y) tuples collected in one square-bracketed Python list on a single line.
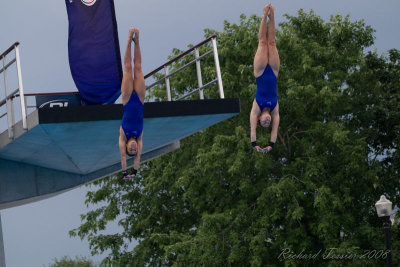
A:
[(36, 233)]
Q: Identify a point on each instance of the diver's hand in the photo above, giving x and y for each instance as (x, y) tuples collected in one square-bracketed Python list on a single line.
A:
[(126, 175), (267, 149), (258, 149)]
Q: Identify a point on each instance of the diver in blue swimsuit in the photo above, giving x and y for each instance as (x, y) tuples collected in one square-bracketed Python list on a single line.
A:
[(266, 68), (133, 91)]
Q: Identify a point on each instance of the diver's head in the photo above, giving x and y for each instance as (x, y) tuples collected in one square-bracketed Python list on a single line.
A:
[(132, 147), (265, 118)]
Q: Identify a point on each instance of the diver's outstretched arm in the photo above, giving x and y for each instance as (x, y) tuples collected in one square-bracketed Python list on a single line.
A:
[(275, 126), (122, 148), (275, 123), (136, 161), (254, 113)]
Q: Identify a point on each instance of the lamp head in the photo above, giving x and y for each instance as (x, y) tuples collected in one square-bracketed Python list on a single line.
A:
[(383, 207)]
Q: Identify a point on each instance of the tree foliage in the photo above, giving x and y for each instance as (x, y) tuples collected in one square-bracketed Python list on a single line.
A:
[(215, 202), (77, 262)]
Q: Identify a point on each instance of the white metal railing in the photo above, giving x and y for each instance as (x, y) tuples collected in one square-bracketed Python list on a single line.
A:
[(196, 61), (10, 94)]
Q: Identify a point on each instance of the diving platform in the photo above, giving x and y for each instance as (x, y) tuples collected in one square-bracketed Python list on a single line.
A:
[(66, 147), (61, 145)]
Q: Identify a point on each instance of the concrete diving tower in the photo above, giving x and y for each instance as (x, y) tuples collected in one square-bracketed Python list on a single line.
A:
[(70, 146)]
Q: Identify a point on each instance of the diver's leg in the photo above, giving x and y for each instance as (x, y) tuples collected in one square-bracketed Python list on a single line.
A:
[(261, 57), (138, 77), (273, 55), (127, 79)]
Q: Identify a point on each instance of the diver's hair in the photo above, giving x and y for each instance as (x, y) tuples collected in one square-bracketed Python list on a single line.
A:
[(266, 110)]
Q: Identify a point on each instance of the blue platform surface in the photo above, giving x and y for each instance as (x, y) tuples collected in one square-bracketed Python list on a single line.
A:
[(67, 147)]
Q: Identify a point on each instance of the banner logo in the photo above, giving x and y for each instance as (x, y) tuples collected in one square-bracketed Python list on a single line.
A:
[(55, 103), (89, 2)]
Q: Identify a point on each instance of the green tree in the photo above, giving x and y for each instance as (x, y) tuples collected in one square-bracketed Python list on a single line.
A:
[(77, 262), (215, 202)]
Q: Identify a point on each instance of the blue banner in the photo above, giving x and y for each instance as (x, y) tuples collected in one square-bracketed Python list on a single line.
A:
[(93, 50)]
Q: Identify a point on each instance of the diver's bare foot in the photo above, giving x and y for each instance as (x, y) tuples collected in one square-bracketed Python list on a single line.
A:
[(266, 10), (271, 11), (134, 35)]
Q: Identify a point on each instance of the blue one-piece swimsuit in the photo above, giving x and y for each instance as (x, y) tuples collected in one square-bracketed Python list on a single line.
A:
[(132, 120), (267, 95)]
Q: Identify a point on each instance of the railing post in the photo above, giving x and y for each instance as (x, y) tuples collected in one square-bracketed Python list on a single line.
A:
[(9, 102), (219, 78), (2, 254), (21, 89), (198, 70), (166, 68)]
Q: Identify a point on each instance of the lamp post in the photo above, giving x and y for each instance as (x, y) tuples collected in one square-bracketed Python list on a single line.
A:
[(384, 210)]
